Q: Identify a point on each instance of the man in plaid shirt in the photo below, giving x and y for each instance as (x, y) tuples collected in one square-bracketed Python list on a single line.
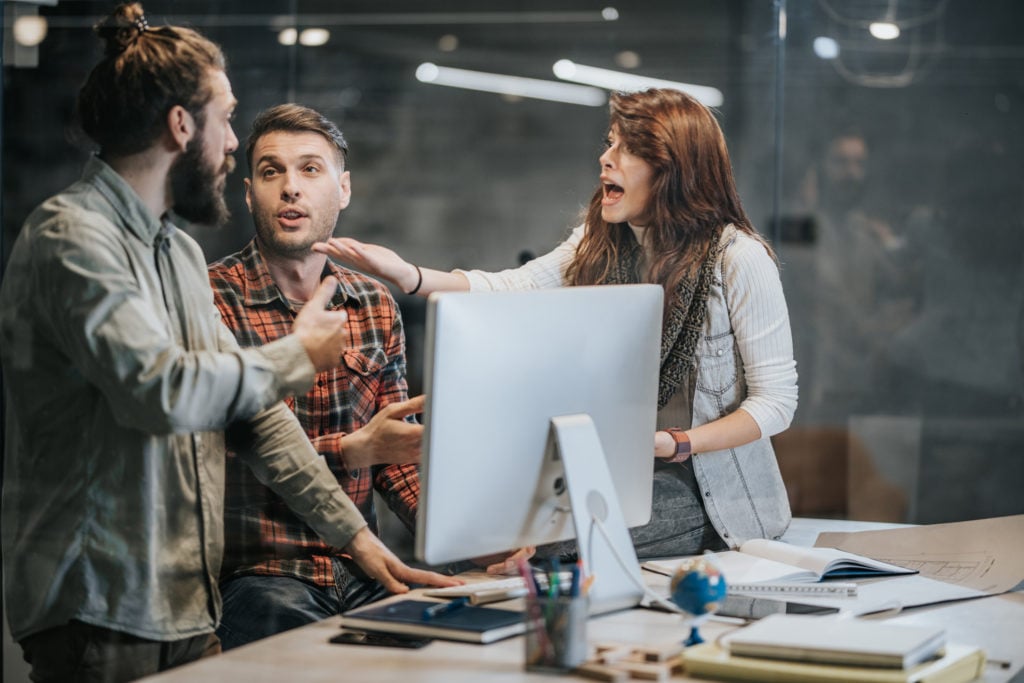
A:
[(277, 573)]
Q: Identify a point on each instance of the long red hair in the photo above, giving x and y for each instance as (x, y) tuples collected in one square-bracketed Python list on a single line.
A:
[(693, 190)]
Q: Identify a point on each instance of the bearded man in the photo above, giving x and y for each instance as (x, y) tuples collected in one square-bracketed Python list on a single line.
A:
[(121, 379)]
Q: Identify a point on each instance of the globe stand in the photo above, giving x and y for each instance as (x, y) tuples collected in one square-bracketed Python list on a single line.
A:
[(695, 638), (698, 588)]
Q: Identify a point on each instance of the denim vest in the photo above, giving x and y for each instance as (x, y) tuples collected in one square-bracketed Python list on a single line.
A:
[(741, 487)]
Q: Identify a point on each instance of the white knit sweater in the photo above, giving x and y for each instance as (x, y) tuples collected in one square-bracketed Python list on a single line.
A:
[(757, 312)]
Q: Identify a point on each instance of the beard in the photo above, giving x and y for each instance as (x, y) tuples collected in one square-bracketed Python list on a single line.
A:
[(287, 245), (198, 187)]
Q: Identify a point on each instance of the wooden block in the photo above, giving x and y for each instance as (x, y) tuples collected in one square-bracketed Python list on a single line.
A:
[(601, 647), (601, 672), (643, 670), (676, 665), (612, 655), (660, 653)]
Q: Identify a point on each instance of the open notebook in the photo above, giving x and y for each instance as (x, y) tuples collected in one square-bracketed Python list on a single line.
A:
[(760, 560)]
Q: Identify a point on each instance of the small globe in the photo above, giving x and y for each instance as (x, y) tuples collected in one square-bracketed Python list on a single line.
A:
[(698, 588)]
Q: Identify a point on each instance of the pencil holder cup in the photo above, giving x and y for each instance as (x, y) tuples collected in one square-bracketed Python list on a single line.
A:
[(556, 633)]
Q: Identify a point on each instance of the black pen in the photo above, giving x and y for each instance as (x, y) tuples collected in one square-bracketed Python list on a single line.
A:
[(444, 608)]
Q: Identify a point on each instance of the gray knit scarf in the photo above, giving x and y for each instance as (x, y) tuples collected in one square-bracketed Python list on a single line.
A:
[(685, 322)]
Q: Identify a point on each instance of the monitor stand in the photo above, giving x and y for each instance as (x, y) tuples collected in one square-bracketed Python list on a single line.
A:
[(609, 555)]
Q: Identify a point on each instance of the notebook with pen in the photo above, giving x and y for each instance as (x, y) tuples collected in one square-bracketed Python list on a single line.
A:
[(467, 623)]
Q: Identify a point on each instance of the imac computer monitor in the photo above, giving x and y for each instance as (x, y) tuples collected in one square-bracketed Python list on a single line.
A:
[(539, 420)]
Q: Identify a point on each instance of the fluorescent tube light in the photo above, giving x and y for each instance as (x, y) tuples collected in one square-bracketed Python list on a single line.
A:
[(884, 30), (617, 80), (510, 85), (312, 37), (288, 36)]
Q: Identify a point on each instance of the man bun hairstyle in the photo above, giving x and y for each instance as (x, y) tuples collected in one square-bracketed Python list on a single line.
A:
[(145, 71)]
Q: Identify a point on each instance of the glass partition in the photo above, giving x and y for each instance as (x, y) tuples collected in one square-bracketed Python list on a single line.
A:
[(902, 245)]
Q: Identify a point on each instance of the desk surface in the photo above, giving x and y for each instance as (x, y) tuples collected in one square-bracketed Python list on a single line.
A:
[(995, 623)]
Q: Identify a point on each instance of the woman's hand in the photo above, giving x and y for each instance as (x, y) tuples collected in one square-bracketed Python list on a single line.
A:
[(383, 263), (372, 259), (505, 563)]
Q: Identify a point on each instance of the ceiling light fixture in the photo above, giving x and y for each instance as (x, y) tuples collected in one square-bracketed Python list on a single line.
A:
[(627, 59), (510, 85), (826, 48), (568, 70), (312, 37), (287, 36), (29, 30), (884, 30), (449, 42)]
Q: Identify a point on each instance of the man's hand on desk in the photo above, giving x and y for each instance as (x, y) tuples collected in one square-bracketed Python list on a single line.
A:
[(505, 564), (374, 558)]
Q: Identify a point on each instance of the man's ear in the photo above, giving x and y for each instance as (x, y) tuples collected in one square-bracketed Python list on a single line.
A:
[(248, 193), (345, 182), (181, 126)]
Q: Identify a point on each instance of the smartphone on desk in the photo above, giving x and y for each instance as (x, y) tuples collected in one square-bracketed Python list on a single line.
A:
[(379, 639)]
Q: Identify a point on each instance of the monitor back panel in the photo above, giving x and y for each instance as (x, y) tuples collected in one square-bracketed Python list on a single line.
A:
[(498, 366)]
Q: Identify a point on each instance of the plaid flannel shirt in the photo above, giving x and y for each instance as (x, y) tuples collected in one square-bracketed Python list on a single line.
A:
[(262, 536)]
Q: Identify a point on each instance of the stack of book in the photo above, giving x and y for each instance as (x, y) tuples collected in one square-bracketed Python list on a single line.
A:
[(787, 647)]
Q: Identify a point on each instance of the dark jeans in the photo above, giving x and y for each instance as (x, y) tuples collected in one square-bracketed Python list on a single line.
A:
[(679, 523), (256, 607), (81, 653)]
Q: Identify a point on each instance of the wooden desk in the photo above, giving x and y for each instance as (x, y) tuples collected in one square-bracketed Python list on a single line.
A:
[(995, 623)]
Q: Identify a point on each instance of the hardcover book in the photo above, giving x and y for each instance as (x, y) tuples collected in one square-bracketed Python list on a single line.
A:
[(836, 640), (959, 664), (469, 624)]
